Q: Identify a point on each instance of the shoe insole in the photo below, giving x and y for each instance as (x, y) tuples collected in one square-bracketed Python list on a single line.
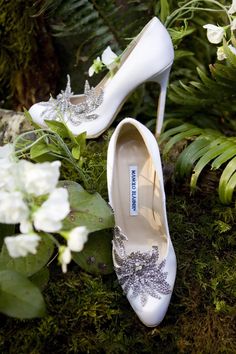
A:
[(138, 200)]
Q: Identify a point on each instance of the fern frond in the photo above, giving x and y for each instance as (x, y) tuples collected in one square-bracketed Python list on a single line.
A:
[(102, 23), (214, 91), (206, 147)]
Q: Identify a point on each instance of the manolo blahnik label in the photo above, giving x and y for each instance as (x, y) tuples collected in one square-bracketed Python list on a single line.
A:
[(133, 182)]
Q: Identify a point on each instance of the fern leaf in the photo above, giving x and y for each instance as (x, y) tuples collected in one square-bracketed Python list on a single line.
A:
[(178, 137), (229, 189), (225, 177), (175, 130), (190, 155), (205, 159), (224, 157)]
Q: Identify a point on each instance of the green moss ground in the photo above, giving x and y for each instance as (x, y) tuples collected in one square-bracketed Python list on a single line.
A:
[(88, 314)]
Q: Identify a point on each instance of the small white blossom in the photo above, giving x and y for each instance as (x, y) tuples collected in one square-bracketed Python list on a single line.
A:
[(38, 178), (232, 9), (96, 67), (233, 25), (220, 53), (6, 151), (215, 34), (77, 238), (26, 227), (7, 175), (233, 49), (48, 217), (13, 209), (108, 57), (7, 168), (64, 257), (21, 245)]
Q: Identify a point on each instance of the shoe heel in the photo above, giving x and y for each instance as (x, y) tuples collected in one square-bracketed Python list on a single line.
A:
[(162, 79)]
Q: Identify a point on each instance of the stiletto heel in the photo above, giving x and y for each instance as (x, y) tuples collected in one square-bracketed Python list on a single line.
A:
[(143, 254), (162, 79), (148, 58)]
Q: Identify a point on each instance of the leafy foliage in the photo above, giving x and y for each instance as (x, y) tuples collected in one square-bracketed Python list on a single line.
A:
[(19, 297), (30, 264), (206, 146), (212, 96), (90, 313), (93, 20), (87, 209)]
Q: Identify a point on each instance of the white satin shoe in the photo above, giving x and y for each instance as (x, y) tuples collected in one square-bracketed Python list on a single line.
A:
[(143, 254), (148, 58)]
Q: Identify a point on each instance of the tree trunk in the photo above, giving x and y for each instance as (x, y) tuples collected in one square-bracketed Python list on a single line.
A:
[(11, 125)]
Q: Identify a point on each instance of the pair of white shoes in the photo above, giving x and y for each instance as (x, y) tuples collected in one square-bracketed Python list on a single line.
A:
[(143, 254)]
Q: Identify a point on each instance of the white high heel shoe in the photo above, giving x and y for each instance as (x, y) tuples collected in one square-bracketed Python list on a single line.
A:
[(148, 58), (143, 254)]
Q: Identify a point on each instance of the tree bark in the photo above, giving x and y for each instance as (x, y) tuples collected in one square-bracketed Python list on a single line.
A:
[(11, 125)]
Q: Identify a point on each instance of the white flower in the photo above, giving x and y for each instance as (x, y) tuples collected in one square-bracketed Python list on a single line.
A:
[(7, 175), (220, 53), (108, 57), (233, 24), (233, 49), (232, 9), (21, 245), (26, 227), (13, 209), (77, 238), (214, 33), (39, 178), (64, 257), (6, 151), (48, 217), (7, 168), (96, 67)]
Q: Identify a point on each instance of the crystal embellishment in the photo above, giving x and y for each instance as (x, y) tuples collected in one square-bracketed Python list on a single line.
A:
[(139, 271), (61, 107)]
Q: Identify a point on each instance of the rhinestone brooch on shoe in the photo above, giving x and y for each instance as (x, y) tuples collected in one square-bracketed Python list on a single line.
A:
[(61, 107), (139, 271)]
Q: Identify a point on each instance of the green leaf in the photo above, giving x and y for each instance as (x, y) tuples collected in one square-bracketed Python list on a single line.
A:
[(190, 155), (225, 177), (30, 264), (19, 297), (180, 54), (30, 120), (180, 128), (95, 258), (81, 140), (230, 56), (225, 156), (87, 209), (205, 159), (165, 10), (178, 137), (38, 149), (58, 127), (229, 189), (76, 152), (41, 278)]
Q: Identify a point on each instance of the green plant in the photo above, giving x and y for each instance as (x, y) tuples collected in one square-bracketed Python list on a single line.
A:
[(40, 205), (209, 100), (204, 147)]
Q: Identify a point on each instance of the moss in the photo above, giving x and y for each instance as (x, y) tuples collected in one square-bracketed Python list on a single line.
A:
[(89, 314), (93, 161), (28, 65)]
